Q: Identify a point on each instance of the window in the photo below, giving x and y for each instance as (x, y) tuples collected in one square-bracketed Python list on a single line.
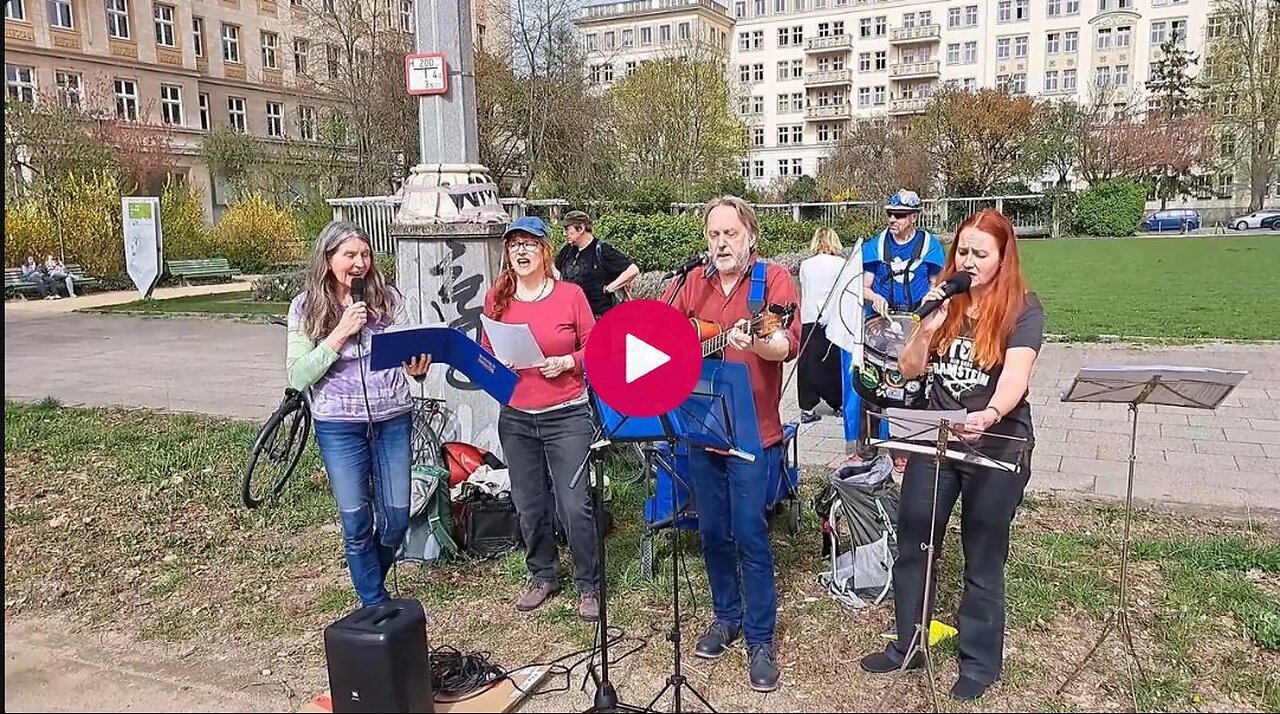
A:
[(1003, 45), (171, 104), (646, 36), (331, 61), (1004, 11), (882, 25), (1071, 41), (206, 121), (1051, 80), (628, 38), (954, 16), (301, 48), (118, 19), (1178, 28), (70, 89), (307, 123), (877, 96), (60, 14), (1124, 36), (20, 83), (1020, 46), (881, 60), (230, 43), (406, 16), (953, 53), (1053, 43), (864, 27), (1103, 41), (236, 114), (784, 103), (971, 52), (864, 61), (275, 120), (971, 15), (684, 34), (165, 34), (15, 10), (739, 12), (269, 41), (1053, 8), (126, 99), (1068, 80), (197, 35)]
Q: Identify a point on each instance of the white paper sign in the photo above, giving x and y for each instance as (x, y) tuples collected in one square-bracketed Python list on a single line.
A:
[(513, 343), (143, 245)]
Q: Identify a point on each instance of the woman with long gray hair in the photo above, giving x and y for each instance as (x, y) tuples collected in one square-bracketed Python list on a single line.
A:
[(363, 417)]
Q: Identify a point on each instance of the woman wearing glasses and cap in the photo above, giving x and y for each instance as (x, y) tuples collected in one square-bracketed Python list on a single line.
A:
[(546, 427)]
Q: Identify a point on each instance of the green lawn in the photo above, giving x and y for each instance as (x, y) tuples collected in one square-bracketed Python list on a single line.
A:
[(1167, 288), (1175, 288), (240, 303)]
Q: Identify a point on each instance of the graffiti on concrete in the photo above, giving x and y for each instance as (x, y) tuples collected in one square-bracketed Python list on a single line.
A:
[(459, 295)]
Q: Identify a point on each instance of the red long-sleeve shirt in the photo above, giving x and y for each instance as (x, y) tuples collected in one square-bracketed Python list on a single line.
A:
[(702, 297), (560, 323)]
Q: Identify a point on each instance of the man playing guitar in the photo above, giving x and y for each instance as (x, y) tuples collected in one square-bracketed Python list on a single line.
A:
[(731, 492)]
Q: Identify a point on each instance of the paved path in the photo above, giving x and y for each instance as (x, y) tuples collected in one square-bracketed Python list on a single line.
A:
[(1229, 457)]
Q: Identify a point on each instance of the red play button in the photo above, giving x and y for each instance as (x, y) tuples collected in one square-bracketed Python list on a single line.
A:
[(643, 358)]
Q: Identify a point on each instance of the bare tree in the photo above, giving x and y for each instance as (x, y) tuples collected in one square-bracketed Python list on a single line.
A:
[(874, 158), (1242, 76)]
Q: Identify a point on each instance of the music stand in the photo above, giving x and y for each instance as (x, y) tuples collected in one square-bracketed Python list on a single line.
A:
[(909, 430), (1177, 386)]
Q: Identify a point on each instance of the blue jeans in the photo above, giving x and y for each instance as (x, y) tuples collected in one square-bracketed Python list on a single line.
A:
[(368, 466), (731, 495)]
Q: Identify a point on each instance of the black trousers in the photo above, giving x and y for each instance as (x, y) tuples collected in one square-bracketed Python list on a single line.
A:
[(989, 498), (819, 369)]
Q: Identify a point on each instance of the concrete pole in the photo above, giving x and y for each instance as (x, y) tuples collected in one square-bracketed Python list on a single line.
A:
[(448, 229)]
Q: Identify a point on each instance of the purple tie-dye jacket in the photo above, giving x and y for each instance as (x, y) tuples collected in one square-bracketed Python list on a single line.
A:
[(332, 380)]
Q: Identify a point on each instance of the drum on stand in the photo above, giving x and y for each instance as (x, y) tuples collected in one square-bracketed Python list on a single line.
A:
[(878, 380)]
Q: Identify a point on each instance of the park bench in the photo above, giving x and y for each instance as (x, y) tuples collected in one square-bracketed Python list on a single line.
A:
[(187, 270), (15, 285)]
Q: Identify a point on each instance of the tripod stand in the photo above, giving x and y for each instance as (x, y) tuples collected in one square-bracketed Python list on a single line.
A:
[(1195, 387), (946, 425)]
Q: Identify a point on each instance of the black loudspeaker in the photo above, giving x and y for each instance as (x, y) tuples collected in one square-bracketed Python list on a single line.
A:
[(377, 659)]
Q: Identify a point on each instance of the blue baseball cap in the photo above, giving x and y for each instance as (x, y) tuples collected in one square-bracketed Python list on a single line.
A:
[(532, 225)]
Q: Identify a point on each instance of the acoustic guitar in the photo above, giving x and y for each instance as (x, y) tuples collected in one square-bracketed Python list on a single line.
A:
[(715, 337)]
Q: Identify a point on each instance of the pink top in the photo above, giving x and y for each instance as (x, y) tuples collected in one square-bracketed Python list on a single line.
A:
[(560, 323)]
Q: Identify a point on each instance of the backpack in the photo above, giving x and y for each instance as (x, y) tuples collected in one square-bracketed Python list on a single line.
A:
[(859, 508), (429, 539), (462, 459)]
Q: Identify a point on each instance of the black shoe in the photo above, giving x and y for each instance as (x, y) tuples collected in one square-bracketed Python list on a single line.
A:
[(881, 663), (967, 689), (808, 417), (719, 636), (762, 667)]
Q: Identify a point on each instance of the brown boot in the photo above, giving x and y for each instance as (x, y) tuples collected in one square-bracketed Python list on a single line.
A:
[(589, 607), (535, 595)]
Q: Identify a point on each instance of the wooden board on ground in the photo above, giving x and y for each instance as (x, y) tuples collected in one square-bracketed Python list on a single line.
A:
[(502, 697)]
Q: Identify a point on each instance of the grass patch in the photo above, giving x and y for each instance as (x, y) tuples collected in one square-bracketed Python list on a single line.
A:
[(142, 512), (239, 304), (1122, 287)]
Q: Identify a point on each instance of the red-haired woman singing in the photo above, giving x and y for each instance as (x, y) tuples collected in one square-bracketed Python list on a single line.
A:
[(982, 347)]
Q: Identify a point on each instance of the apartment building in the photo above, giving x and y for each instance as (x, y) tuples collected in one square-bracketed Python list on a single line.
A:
[(806, 68), (192, 66)]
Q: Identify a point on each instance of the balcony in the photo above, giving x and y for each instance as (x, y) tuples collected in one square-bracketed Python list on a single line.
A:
[(923, 33), (631, 8), (832, 76), (914, 105), (829, 111), (827, 44), (915, 70)]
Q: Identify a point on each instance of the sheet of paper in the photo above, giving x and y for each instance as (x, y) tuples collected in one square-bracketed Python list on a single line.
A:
[(513, 344)]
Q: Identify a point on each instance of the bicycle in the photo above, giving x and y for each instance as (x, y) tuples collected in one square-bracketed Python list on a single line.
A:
[(282, 447)]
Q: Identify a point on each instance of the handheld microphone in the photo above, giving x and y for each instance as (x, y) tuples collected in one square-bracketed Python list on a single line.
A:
[(693, 262), (357, 289), (956, 284)]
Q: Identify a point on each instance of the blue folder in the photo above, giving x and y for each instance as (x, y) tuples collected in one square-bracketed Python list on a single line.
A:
[(445, 345)]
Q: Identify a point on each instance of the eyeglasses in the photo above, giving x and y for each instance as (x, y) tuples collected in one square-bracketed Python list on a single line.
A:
[(523, 246)]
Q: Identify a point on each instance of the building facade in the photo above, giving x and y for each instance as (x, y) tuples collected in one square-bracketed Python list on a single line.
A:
[(192, 66), (806, 68)]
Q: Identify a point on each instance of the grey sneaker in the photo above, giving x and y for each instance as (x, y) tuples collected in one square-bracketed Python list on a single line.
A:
[(535, 595), (762, 667)]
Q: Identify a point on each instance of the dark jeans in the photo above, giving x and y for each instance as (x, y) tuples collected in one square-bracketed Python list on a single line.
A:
[(819, 369), (368, 468), (989, 498), (731, 495), (544, 452)]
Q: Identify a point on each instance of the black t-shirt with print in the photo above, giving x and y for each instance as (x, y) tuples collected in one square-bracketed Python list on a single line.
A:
[(591, 269), (959, 383)]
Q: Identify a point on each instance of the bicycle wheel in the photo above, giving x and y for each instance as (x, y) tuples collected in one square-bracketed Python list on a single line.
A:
[(282, 440)]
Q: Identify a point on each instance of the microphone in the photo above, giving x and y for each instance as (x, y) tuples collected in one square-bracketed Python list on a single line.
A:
[(693, 262), (357, 289), (956, 284)]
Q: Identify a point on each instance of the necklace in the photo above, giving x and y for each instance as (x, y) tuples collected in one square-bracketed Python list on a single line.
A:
[(541, 292)]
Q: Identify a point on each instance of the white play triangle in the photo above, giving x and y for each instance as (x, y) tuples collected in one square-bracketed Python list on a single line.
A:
[(642, 358)]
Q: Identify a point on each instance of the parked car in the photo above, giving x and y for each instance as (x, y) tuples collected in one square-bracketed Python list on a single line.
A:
[(1253, 220), (1172, 219), (1271, 223)]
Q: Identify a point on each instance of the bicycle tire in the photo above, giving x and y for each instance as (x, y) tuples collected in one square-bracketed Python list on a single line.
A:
[(292, 451)]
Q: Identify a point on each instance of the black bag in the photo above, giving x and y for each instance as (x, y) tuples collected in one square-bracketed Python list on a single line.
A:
[(487, 525)]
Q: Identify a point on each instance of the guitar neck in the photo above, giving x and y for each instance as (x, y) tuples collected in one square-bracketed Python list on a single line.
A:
[(715, 344)]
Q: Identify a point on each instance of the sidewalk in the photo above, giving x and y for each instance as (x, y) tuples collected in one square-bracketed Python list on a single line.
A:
[(38, 306)]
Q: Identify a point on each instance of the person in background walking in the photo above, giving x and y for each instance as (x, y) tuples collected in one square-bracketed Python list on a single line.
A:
[(819, 378)]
